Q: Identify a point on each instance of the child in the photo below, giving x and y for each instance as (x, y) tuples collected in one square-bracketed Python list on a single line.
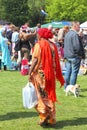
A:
[(25, 64), (14, 65)]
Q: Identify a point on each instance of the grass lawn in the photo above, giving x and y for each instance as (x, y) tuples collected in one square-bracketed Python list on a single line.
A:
[(71, 114)]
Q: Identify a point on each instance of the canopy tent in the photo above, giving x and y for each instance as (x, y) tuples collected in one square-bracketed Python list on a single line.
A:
[(83, 25), (56, 24)]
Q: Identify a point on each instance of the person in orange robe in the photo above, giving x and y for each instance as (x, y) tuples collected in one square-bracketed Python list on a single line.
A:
[(44, 71)]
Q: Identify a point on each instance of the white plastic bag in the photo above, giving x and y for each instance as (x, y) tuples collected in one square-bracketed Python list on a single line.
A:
[(29, 96)]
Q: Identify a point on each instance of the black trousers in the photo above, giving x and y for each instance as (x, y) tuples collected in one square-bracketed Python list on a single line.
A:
[(5, 68), (0, 64)]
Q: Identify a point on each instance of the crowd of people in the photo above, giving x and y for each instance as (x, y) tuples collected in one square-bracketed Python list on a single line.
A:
[(18, 41), (39, 53), (24, 38)]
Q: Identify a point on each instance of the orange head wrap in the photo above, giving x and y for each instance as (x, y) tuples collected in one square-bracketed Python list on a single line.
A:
[(45, 33)]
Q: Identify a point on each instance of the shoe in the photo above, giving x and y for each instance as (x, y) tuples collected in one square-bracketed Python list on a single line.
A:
[(51, 121), (44, 122)]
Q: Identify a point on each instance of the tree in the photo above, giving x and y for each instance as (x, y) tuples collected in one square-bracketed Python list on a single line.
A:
[(16, 11), (35, 9), (2, 13), (67, 10), (20, 11)]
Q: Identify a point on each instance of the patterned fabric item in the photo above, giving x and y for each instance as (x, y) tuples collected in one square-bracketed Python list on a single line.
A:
[(49, 70)]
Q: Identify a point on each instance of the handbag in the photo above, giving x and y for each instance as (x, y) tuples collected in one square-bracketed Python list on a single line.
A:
[(29, 95)]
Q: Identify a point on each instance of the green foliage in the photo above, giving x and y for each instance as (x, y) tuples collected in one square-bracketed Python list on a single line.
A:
[(21, 11), (35, 8), (2, 13), (16, 11), (67, 10)]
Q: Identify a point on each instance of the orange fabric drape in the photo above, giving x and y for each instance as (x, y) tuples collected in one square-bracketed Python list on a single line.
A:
[(58, 70), (47, 66)]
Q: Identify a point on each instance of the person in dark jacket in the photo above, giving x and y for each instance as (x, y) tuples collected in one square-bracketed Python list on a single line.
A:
[(73, 53)]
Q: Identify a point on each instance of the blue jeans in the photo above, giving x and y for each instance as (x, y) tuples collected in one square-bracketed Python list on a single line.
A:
[(72, 68)]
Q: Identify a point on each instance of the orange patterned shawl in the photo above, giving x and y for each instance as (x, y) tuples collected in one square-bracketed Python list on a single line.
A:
[(47, 66)]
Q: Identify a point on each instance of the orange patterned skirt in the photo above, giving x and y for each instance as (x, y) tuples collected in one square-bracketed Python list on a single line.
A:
[(45, 106)]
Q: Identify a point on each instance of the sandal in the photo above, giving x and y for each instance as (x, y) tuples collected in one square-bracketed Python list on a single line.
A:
[(45, 122)]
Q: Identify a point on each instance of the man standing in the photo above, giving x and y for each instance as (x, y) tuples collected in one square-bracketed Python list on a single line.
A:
[(61, 34), (73, 54)]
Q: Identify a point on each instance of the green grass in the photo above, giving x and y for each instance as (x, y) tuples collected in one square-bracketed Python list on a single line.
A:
[(71, 114)]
